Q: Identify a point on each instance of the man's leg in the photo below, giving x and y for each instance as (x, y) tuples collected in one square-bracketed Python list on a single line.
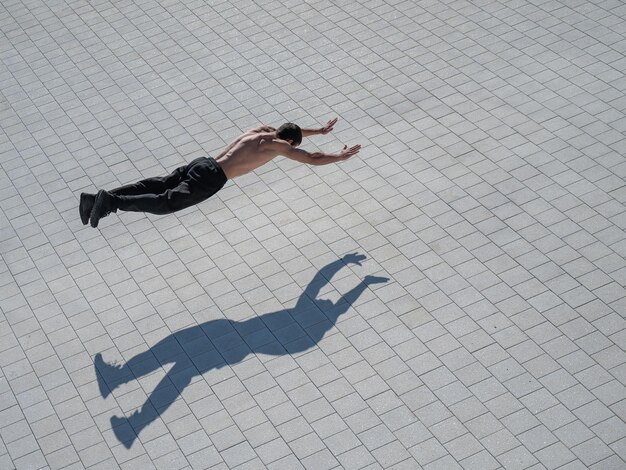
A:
[(182, 196), (171, 200), (154, 185), (201, 179)]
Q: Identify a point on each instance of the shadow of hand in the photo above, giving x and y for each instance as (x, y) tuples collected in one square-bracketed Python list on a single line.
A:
[(375, 279), (353, 258)]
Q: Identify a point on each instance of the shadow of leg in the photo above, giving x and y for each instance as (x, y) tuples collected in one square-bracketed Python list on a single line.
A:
[(165, 393), (111, 376)]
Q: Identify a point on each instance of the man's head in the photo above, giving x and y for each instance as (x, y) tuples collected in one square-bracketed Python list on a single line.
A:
[(290, 132)]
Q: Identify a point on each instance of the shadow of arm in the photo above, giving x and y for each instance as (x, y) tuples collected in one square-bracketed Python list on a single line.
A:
[(324, 275)]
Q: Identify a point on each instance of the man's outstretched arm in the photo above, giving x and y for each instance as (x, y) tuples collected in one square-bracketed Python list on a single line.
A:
[(322, 130), (316, 158)]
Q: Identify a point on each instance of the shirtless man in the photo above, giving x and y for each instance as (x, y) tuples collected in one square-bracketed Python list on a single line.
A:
[(200, 179)]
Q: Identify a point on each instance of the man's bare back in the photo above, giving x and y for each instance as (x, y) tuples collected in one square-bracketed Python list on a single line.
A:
[(258, 146), (200, 179), (248, 152)]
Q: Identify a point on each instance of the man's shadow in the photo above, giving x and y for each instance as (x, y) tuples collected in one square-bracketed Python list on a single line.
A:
[(216, 343)]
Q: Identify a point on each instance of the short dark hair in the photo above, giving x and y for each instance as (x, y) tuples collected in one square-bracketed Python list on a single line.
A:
[(290, 131)]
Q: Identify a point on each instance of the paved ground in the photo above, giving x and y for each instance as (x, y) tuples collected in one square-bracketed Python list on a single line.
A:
[(490, 193)]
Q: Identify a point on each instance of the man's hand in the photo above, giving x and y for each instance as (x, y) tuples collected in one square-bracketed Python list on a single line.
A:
[(328, 127), (349, 152)]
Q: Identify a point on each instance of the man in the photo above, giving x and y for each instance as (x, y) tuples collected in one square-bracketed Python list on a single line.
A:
[(193, 183)]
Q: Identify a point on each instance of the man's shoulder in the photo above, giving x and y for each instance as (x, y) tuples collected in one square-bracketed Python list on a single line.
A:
[(270, 141), (252, 136), (278, 146)]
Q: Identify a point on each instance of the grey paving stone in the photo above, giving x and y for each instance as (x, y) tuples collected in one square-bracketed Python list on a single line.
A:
[(33, 460), (358, 457), (555, 455), (592, 451), (322, 459), (480, 460), (428, 451), (483, 425)]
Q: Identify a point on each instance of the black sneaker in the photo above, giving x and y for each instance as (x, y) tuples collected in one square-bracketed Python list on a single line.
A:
[(102, 207), (86, 204)]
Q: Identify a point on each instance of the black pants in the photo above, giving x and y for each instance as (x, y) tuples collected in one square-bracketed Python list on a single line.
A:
[(184, 187)]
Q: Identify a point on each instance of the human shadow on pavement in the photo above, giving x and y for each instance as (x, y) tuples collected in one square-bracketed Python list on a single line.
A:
[(217, 343)]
